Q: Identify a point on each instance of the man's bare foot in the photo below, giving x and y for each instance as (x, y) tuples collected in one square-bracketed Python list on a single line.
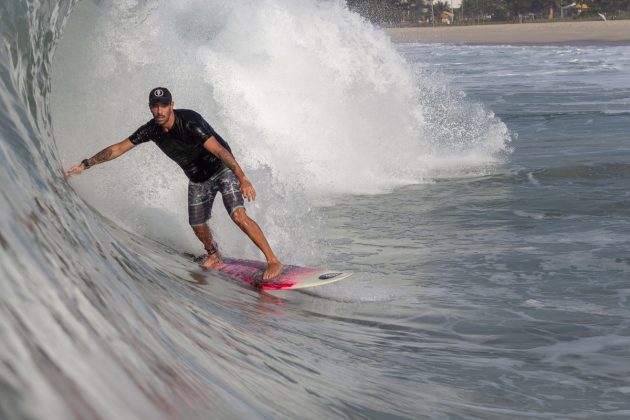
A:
[(212, 261), (273, 269)]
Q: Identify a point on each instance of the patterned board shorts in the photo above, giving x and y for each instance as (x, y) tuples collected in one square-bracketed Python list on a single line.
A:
[(201, 196)]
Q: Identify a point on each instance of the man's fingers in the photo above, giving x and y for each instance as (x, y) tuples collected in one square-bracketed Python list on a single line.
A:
[(77, 169), (249, 193)]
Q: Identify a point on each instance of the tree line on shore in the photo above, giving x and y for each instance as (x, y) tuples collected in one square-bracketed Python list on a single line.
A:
[(413, 12)]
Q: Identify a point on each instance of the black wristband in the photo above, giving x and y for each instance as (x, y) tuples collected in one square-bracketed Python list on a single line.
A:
[(86, 164)]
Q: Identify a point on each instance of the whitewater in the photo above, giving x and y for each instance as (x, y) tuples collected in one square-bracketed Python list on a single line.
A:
[(479, 195)]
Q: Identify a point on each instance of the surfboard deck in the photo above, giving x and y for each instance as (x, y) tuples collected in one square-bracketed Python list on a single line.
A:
[(291, 277)]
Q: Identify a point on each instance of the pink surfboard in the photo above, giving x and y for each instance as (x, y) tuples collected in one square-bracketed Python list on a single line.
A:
[(292, 276)]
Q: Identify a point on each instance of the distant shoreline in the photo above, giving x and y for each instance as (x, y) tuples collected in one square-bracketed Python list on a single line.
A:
[(589, 32)]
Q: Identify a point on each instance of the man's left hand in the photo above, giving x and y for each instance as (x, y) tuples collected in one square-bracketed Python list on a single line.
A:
[(247, 189)]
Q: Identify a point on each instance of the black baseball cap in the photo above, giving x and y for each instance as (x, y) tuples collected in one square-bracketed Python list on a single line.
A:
[(160, 95)]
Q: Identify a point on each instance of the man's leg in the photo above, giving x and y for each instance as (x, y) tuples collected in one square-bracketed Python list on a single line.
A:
[(234, 204), (251, 229), (200, 200)]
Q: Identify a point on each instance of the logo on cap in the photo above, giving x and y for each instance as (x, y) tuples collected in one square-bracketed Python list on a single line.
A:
[(158, 92)]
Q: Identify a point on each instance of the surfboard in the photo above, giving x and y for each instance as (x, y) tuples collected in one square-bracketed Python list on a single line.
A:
[(291, 277)]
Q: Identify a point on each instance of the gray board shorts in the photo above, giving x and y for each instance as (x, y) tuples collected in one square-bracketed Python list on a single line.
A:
[(201, 196)]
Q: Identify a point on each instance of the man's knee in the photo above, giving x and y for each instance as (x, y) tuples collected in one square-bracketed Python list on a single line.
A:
[(199, 228), (240, 217)]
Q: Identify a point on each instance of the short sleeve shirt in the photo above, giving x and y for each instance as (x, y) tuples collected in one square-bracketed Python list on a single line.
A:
[(183, 143)]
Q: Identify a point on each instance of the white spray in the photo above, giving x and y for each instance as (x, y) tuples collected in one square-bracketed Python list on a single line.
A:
[(313, 100)]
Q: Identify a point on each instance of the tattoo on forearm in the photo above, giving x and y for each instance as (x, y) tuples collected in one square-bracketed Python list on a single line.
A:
[(102, 156), (227, 158)]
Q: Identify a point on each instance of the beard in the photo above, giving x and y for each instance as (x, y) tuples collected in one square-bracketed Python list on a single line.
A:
[(161, 119)]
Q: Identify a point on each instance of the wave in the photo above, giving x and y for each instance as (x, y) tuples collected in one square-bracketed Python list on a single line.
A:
[(101, 318)]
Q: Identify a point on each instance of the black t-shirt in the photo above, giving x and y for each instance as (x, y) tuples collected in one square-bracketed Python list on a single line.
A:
[(184, 143)]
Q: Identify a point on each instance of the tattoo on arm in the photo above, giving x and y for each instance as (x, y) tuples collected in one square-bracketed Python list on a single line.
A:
[(227, 158), (102, 156)]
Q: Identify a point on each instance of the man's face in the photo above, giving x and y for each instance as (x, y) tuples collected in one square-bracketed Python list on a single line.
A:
[(161, 113)]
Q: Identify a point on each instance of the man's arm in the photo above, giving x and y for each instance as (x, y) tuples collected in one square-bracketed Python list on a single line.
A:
[(214, 147), (107, 154)]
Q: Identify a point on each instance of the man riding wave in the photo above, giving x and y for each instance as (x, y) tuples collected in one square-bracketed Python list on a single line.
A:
[(207, 160)]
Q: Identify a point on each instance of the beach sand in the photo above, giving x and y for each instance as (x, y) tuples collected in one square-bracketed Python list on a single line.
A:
[(590, 32)]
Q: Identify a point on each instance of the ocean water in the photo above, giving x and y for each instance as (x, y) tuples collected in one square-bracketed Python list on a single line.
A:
[(478, 193)]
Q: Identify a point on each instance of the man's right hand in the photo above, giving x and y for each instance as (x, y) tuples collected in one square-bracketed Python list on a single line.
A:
[(108, 153), (75, 170)]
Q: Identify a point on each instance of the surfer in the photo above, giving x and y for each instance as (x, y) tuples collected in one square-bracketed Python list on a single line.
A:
[(207, 160)]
